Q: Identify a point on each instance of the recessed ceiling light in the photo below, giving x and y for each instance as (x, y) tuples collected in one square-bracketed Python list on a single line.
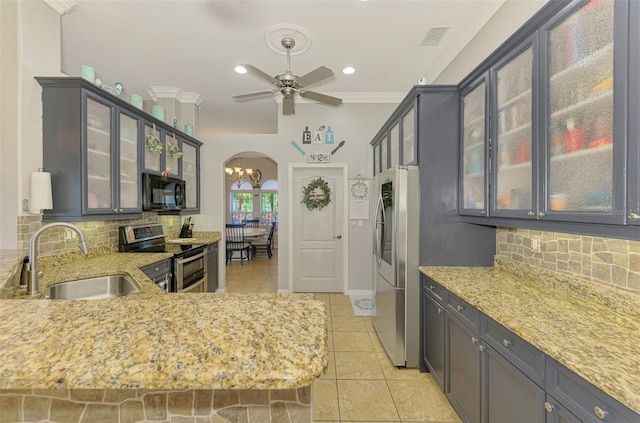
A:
[(348, 70), (240, 69)]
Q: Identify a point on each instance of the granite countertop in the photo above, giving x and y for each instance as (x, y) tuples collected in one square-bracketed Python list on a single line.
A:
[(598, 342), (153, 340), (198, 238)]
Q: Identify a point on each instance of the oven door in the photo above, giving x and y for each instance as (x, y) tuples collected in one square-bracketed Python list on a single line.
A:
[(198, 286), (191, 271)]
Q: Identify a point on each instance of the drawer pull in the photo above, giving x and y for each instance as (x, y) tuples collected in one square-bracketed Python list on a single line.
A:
[(506, 343), (460, 308), (155, 269), (431, 287), (548, 407), (439, 310), (633, 217), (600, 413), (481, 347), (474, 340), (530, 213)]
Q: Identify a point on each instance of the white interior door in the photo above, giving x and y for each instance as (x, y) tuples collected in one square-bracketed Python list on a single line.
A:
[(319, 236)]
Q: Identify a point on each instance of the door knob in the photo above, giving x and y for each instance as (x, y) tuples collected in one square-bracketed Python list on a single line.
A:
[(338, 237)]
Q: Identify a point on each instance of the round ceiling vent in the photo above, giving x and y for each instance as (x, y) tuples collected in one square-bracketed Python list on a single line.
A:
[(276, 33)]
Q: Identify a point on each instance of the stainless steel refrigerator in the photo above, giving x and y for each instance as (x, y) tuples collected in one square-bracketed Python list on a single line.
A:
[(396, 249)]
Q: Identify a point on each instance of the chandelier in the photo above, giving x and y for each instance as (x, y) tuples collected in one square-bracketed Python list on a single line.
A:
[(237, 174)]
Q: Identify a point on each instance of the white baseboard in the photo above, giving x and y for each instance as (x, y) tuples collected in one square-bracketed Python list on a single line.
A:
[(362, 292), (283, 291)]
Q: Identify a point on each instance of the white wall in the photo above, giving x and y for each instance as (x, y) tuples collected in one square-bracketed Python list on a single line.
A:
[(354, 123), (511, 16), (30, 43)]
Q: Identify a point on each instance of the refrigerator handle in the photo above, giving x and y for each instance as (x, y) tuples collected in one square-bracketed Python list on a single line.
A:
[(379, 230)]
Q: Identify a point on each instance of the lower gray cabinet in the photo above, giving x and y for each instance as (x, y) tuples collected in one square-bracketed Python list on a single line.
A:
[(432, 334), (212, 267), (463, 362), (511, 397), (556, 413)]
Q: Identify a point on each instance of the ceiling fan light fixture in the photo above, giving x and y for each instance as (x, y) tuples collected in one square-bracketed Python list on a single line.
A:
[(349, 70), (240, 69)]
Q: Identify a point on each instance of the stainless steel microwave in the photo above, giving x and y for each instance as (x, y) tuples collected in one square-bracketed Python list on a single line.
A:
[(162, 193)]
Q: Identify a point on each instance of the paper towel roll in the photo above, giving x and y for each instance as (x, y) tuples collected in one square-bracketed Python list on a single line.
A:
[(40, 192)]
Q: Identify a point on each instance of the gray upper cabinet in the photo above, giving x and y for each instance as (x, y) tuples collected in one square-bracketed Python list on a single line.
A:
[(474, 150), (561, 151), (513, 99), (396, 144), (94, 145)]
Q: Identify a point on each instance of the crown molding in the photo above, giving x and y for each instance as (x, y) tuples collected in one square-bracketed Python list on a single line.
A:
[(163, 91), (62, 6), (357, 97)]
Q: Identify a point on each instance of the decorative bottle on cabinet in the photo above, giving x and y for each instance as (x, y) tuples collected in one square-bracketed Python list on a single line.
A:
[(328, 136)]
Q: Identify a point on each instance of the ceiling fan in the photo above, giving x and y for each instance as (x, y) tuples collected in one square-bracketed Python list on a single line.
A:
[(288, 83)]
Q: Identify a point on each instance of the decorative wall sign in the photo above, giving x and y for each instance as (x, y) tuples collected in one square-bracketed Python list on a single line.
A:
[(359, 198), (306, 135), (316, 195), (318, 158)]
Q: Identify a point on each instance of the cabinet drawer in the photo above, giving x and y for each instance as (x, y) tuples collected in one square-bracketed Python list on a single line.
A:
[(466, 313), (154, 269), (433, 289), (519, 352), (584, 400)]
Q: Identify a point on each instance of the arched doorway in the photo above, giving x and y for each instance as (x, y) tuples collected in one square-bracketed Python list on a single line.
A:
[(251, 193)]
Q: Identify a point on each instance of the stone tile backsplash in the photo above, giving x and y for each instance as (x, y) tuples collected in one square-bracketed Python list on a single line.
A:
[(100, 233), (614, 262)]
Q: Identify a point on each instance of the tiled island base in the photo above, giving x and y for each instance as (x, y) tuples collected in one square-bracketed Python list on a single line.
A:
[(138, 405)]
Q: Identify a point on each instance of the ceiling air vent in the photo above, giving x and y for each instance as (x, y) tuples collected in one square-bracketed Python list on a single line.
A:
[(434, 36)]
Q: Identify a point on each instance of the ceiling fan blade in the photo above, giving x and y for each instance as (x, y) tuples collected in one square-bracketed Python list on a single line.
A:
[(287, 105), (260, 74), (256, 94), (322, 98), (315, 76)]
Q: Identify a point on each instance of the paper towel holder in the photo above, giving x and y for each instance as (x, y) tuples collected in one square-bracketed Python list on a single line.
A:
[(41, 196)]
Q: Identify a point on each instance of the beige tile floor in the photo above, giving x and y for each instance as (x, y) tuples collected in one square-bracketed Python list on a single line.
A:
[(360, 384)]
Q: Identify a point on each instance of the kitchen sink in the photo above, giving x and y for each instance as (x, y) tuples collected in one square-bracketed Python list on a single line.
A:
[(100, 288)]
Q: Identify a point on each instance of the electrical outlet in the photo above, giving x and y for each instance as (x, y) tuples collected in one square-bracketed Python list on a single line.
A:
[(535, 244), (70, 235)]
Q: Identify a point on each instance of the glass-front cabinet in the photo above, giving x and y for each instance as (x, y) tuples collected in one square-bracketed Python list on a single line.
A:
[(583, 167), (153, 148), (376, 159), (384, 158), (473, 199), (112, 171), (512, 158), (409, 137), (394, 145), (190, 166), (172, 153)]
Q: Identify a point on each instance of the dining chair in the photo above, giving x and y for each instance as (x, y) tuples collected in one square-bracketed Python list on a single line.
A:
[(235, 242), (266, 244), (251, 223)]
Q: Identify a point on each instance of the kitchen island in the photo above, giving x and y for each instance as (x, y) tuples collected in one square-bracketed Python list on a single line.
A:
[(157, 357)]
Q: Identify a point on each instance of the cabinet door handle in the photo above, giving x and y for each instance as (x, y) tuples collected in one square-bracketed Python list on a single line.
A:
[(540, 214), (483, 212), (115, 210), (474, 340), (460, 308), (120, 210), (633, 217), (155, 269), (439, 310), (481, 347), (530, 213), (431, 287), (548, 407), (600, 413), (506, 343)]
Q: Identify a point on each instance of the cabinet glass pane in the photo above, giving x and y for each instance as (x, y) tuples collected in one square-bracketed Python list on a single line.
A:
[(581, 110), (394, 145), (376, 159), (129, 178), (408, 138), (171, 142), (514, 134), (473, 145), (99, 156), (383, 154), (151, 159), (189, 174)]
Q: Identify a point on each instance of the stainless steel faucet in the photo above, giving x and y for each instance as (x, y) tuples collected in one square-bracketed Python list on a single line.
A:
[(32, 287)]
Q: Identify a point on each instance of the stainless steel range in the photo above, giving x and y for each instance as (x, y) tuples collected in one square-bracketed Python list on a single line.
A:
[(189, 260)]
